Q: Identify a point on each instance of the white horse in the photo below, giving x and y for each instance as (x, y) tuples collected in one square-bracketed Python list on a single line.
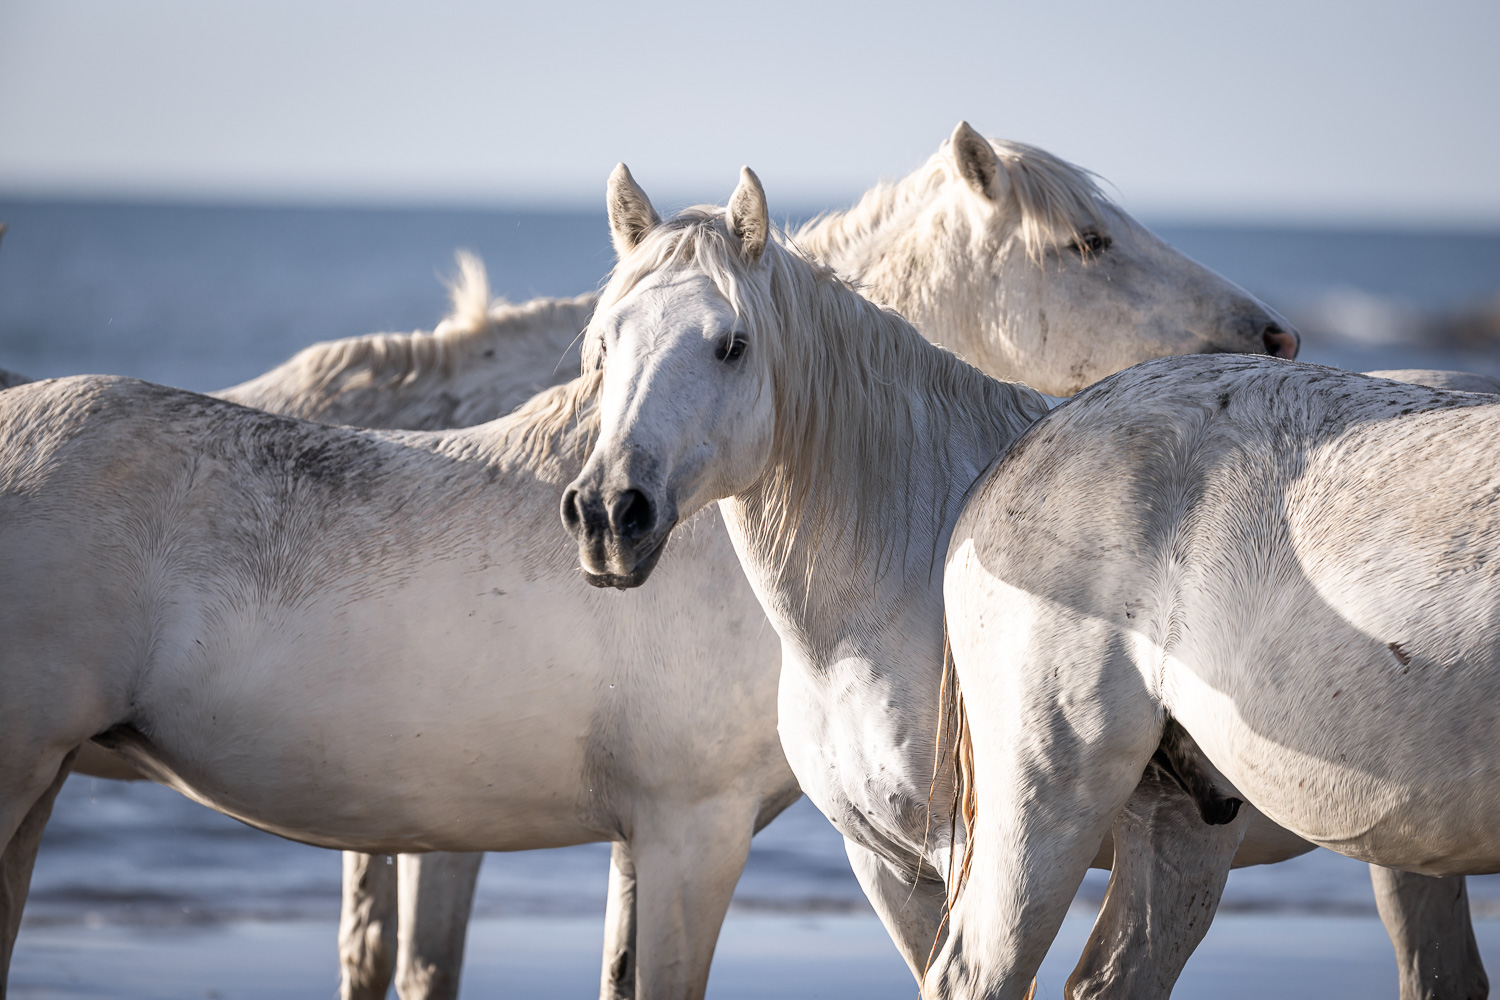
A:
[(373, 641), (1297, 566), (841, 447), (481, 362), (992, 291)]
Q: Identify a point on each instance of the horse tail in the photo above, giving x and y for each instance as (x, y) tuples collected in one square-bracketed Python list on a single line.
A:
[(955, 758), (954, 723)]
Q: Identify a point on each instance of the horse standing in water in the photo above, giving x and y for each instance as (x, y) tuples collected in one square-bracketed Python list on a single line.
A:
[(841, 447)]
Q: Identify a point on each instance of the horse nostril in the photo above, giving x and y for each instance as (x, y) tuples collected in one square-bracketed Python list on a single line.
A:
[(631, 514), (1279, 342), (572, 517)]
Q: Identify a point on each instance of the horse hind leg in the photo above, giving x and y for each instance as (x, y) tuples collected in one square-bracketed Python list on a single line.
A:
[(1168, 873), (1432, 933), (19, 857), (1061, 731), (367, 927)]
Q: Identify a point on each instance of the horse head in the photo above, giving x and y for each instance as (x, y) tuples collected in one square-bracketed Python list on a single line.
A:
[(1015, 259), (686, 409)]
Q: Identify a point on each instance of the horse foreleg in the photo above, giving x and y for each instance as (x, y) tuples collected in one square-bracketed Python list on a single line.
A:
[(1428, 921), (1168, 874), (367, 927), (617, 978), (911, 910), (437, 893), (18, 858), (687, 863)]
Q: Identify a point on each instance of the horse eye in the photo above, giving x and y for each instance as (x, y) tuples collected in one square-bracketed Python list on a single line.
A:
[(731, 349), (1089, 244)]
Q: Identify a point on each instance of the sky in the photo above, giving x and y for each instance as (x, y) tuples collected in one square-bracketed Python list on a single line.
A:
[(1279, 110)]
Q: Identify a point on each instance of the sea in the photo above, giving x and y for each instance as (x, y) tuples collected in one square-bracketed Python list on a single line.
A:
[(204, 297)]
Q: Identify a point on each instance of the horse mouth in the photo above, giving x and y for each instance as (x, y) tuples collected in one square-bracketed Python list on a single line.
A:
[(638, 575)]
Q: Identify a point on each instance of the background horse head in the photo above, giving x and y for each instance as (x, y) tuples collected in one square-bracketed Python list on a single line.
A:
[(1017, 261)]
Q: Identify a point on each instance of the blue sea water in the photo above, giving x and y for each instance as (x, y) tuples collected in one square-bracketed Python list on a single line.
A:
[(204, 297)]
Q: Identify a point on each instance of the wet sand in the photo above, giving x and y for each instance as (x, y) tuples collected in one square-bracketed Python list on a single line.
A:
[(1247, 956)]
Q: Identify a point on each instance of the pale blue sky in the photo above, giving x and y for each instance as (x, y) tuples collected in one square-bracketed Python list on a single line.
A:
[(1282, 110)]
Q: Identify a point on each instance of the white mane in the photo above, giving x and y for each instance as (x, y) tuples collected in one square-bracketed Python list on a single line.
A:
[(466, 332), (538, 432), (1057, 201), (481, 361), (850, 378)]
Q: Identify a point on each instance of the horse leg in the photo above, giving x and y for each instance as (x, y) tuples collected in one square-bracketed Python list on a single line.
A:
[(19, 856), (1061, 726), (1168, 873), (912, 913), (687, 862), (367, 926), (1428, 921), (617, 978), (437, 893)]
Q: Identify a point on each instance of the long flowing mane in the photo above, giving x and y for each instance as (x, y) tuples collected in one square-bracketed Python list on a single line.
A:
[(1057, 200), (851, 381), (471, 328), (538, 427)]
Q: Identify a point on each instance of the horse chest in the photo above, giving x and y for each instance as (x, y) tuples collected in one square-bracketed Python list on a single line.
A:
[(853, 753)]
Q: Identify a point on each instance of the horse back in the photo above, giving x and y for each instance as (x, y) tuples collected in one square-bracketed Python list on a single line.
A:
[(131, 503), (1305, 566)]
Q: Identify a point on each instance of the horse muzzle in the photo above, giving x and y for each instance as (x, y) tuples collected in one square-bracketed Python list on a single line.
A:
[(620, 533)]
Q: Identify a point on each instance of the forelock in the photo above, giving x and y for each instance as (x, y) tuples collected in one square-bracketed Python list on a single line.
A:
[(699, 238), (1058, 200)]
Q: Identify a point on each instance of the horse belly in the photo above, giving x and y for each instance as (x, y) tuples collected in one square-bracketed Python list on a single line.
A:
[(435, 735), (1376, 767)]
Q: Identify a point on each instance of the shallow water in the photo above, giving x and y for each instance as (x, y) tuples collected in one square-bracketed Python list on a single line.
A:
[(132, 877), (1244, 957)]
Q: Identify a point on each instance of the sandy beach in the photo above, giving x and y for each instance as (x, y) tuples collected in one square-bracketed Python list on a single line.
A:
[(1249, 956)]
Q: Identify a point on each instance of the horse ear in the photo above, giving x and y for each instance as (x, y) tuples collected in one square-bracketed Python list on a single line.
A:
[(976, 161), (631, 216), (749, 219)]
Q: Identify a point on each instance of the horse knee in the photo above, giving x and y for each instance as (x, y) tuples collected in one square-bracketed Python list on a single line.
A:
[(420, 979)]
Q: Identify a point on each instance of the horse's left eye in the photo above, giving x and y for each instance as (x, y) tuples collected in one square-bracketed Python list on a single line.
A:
[(1089, 244), (731, 348)]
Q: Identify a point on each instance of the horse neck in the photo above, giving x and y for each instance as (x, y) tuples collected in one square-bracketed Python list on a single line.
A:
[(850, 561), (852, 240), (859, 608), (884, 246)]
